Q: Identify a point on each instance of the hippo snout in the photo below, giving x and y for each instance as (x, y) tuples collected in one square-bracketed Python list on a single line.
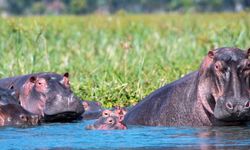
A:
[(35, 119), (232, 109), (236, 107), (29, 119)]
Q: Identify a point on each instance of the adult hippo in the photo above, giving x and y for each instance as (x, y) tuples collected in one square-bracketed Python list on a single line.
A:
[(217, 94), (13, 114), (46, 94)]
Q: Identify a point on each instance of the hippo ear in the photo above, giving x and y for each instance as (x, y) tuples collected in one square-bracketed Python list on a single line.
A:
[(85, 104), (121, 118), (207, 61), (32, 79), (29, 85), (210, 54), (65, 80), (66, 74), (11, 87)]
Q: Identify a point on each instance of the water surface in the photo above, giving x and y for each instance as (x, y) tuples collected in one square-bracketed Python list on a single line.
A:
[(74, 136)]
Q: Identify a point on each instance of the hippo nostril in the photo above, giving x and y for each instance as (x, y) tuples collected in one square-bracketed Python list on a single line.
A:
[(229, 105), (110, 121), (35, 119), (247, 104)]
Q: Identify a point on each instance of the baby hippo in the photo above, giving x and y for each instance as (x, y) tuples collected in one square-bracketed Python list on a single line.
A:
[(110, 120), (15, 115), (93, 110), (12, 113)]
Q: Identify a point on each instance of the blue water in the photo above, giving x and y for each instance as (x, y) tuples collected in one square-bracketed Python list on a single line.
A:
[(74, 136)]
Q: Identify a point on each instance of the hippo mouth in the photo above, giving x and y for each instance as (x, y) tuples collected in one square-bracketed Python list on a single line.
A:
[(63, 117)]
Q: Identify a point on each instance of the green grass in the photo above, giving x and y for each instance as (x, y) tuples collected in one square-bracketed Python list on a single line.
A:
[(117, 60)]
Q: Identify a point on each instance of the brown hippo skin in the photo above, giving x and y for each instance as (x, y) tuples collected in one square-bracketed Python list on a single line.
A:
[(217, 94), (46, 94), (93, 110), (110, 120), (13, 114)]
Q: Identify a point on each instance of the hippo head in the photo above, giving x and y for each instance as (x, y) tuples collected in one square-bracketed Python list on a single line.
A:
[(224, 84), (107, 123), (110, 120), (51, 97), (15, 115)]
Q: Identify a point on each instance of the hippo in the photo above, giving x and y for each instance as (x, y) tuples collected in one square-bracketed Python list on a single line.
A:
[(107, 123), (46, 94), (110, 120), (217, 94), (93, 110), (7, 97), (16, 115), (12, 113)]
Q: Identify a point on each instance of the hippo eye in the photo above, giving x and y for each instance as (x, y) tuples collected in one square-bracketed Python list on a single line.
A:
[(217, 67), (22, 117)]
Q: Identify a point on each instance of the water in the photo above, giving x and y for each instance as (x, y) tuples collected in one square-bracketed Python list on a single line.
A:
[(74, 136)]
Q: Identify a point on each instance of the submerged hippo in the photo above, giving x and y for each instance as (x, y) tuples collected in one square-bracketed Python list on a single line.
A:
[(217, 94), (93, 110), (109, 120), (46, 94), (13, 114)]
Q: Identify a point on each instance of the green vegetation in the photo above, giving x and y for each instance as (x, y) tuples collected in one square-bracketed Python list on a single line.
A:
[(117, 60)]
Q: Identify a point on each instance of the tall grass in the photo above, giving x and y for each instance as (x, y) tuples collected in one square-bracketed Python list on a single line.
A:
[(117, 60)]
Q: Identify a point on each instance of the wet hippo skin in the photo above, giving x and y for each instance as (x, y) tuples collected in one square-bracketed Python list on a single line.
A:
[(12, 113), (93, 110), (15, 115), (46, 94), (110, 120), (218, 93)]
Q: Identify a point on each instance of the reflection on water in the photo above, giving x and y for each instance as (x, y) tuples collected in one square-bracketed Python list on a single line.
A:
[(74, 136)]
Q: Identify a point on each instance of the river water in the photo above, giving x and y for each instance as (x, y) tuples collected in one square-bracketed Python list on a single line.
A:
[(73, 136)]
